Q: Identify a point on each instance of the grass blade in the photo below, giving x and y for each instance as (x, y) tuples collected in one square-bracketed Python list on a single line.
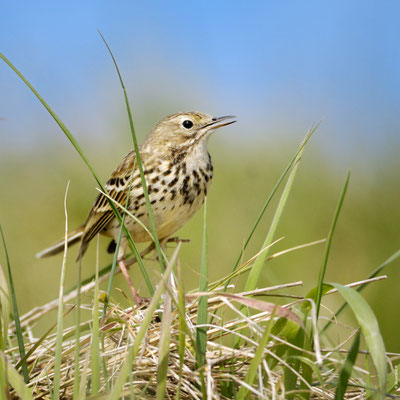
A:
[(95, 345), (255, 272), (134, 349), (182, 329), (138, 159), (345, 373), (18, 328), (248, 264), (370, 330), (39, 342), (244, 393), (60, 316), (4, 386), (163, 350), (201, 333), (83, 382), (15, 380), (388, 261), (5, 309), (85, 159), (328, 244), (77, 332), (270, 197), (292, 370)]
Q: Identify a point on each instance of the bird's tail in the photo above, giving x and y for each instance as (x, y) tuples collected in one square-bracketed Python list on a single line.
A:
[(73, 237)]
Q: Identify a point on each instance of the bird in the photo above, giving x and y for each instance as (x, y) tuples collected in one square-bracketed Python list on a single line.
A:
[(178, 171)]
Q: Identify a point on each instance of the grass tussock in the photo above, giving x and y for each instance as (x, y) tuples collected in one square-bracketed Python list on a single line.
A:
[(280, 353)]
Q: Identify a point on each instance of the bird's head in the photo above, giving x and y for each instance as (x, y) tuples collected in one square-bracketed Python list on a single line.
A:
[(185, 129)]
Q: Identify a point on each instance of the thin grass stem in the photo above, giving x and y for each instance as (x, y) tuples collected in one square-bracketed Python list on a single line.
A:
[(255, 272), (20, 339), (95, 345), (60, 312), (77, 332), (138, 160), (328, 244), (202, 313), (270, 197)]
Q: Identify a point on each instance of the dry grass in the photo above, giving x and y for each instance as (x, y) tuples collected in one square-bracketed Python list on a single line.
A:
[(228, 360)]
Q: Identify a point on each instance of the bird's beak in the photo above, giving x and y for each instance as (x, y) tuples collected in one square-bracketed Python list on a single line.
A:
[(218, 122)]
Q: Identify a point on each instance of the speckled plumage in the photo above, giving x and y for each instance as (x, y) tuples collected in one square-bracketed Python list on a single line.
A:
[(178, 172)]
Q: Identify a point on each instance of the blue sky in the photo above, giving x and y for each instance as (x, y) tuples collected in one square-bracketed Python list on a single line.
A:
[(278, 65)]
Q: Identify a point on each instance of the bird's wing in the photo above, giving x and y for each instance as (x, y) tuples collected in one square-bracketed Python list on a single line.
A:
[(117, 188)]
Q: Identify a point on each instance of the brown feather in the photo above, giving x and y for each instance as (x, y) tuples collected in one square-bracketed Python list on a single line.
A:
[(101, 213)]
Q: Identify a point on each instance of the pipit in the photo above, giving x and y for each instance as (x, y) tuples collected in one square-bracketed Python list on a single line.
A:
[(178, 173)]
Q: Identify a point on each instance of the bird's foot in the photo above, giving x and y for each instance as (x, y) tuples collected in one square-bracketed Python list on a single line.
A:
[(177, 239), (142, 302)]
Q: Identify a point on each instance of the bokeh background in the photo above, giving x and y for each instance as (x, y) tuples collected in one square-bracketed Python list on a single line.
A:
[(279, 66)]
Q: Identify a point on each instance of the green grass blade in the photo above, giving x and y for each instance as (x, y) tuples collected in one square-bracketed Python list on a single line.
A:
[(83, 381), (393, 380), (18, 328), (5, 309), (248, 264), (39, 342), (134, 349), (85, 159), (312, 294), (328, 244), (370, 330), (139, 160), (307, 368), (77, 332), (202, 314), (255, 272), (377, 271), (347, 368), (127, 212), (243, 392), (163, 350), (95, 345), (104, 365), (4, 386), (270, 197), (15, 379), (289, 371), (60, 311)]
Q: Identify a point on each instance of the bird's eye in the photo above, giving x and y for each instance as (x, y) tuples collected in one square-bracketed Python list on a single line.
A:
[(187, 124)]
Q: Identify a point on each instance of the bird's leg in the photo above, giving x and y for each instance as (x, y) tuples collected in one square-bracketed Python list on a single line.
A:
[(123, 267), (135, 295)]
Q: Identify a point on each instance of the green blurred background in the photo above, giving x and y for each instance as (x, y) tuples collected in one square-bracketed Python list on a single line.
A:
[(279, 68)]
